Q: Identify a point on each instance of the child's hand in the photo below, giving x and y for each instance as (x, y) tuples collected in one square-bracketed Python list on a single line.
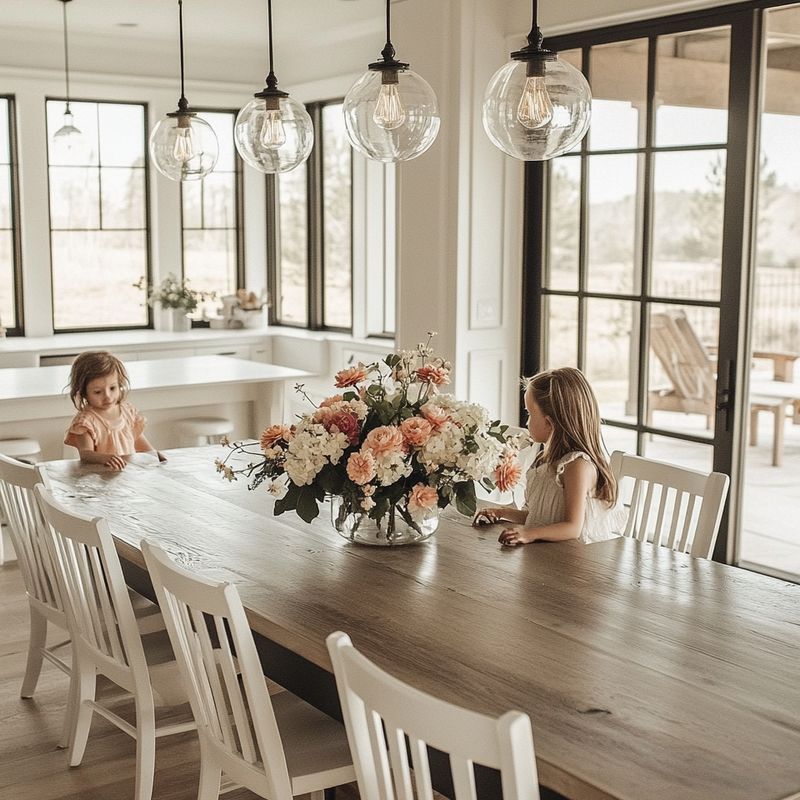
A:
[(489, 515), (511, 537), (115, 462)]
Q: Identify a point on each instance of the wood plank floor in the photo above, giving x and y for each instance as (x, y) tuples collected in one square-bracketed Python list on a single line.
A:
[(33, 768)]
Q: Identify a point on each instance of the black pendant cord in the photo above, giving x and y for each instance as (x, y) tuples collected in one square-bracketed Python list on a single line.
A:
[(66, 52), (388, 51), (271, 66), (183, 103)]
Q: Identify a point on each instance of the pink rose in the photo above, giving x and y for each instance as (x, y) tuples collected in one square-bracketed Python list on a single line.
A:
[(329, 401), (274, 434), (438, 376), (421, 497), (386, 439), (350, 376), (435, 415), (416, 431), (344, 423), (507, 473), (361, 467)]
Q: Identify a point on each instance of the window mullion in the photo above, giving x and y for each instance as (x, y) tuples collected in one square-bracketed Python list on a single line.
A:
[(316, 255)]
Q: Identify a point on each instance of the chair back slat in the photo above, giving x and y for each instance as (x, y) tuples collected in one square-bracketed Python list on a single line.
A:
[(229, 698), (96, 599), (688, 501), (381, 712), (17, 482)]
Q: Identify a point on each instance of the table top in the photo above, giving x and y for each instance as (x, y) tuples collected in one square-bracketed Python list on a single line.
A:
[(778, 389), (29, 383), (646, 673)]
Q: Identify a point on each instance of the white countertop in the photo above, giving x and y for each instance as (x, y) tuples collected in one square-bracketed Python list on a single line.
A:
[(28, 383)]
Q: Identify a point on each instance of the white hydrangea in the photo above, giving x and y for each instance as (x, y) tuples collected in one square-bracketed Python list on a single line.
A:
[(310, 450), (391, 466), (443, 448), (475, 466)]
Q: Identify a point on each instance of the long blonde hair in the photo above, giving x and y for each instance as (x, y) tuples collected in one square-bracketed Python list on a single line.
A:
[(565, 396), (95, 364)]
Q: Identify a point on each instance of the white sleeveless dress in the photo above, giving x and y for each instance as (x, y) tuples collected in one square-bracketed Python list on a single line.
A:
[(544, 502)]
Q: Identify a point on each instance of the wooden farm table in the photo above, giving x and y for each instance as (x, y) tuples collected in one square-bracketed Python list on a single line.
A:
[(647, 674)]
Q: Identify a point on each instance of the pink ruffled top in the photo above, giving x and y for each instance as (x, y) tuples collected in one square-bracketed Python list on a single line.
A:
[(108, 436)]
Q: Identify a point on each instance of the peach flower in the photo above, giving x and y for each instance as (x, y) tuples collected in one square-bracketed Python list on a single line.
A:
[(329, 401), (274, 434), (435, 415), (438, 376), (386, 439), (350, 376), (344, 423), (421, 497), (507, 473), (416, 431), (361, 467)]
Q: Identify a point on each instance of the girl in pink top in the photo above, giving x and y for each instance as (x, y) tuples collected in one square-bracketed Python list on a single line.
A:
[(106, 427)]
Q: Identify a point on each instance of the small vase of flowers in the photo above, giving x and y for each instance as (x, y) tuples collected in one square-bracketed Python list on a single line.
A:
[(175, 300), (391, 451)]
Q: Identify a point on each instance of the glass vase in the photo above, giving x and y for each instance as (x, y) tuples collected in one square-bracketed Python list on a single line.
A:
[(396, 527)]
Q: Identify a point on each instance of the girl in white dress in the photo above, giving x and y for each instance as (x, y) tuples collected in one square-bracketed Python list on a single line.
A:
[(571, 492)]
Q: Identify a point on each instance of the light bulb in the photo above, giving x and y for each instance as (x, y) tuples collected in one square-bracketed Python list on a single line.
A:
[(389, 113), (183, 150), (273, 134), (535, 109)]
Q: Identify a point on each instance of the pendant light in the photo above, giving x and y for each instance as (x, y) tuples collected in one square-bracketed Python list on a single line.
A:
[(390, 112), (183, 146), (537, 106), (273, 132), (67, 138)]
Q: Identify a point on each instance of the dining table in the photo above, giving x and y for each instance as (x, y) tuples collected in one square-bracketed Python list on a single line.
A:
[(646, 673)]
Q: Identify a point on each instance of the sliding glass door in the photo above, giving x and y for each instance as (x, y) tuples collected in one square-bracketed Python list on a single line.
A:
[(638, 243)]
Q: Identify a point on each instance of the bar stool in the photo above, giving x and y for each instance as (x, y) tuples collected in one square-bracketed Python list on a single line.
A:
[(22, 450), (203, 430)]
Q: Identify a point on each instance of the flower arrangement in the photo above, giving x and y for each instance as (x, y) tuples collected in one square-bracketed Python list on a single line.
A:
[(173, 293), (389, 444)]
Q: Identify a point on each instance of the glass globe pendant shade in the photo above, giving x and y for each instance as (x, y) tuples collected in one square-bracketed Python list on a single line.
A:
[(391, 115), (537, 110), (68, 144), (274, 133), (184, 147)]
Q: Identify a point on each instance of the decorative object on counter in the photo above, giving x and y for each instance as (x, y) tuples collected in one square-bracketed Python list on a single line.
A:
[(273, 132), (67, 140), (243, 310), (183, 146), (537, 106), (172, 301), (390, 450), (390, 112)]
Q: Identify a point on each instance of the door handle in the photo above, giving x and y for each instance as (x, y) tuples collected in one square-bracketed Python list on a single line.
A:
[(726, 383)]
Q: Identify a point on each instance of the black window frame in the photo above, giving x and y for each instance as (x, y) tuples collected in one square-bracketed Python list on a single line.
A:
[(18, 328), (148, 271), (315, 255), (238, 205)]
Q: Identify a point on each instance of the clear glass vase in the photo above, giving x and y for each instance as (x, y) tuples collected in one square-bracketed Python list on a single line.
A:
[(397, 527)]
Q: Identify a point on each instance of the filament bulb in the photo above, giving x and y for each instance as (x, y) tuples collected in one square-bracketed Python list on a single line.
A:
[(389, 113), (272, 133), (183, 150), (535, 109)]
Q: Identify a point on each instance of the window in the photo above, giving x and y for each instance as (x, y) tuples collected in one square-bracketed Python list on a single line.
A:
[(311, 272), (211, 217), (98, 216), (10, 265)]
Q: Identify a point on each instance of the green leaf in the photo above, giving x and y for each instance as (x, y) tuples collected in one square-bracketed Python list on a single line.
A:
[(289, 501), (466, 502), (307, 508)]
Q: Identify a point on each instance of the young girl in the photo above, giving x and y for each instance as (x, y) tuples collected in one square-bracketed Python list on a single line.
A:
[(570, 492), (106, 428)]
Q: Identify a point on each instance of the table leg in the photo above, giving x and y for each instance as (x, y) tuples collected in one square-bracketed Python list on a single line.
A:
[(777, 436), (753, 426)]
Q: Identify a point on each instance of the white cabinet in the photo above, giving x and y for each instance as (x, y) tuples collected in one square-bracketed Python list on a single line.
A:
[(233, 351)]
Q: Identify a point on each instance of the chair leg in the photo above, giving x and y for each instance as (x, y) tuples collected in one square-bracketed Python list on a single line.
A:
[(210, 776), (72, 705), (145, 748), (36, 643), (86, 682)]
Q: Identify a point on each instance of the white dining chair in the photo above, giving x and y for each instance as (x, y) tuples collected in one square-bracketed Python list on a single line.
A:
[(671, 506), (278, 747), (386, 719), (106, 639)]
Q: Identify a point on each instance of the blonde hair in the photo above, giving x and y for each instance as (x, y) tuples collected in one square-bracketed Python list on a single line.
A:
[(91, 365), (565, 396)]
